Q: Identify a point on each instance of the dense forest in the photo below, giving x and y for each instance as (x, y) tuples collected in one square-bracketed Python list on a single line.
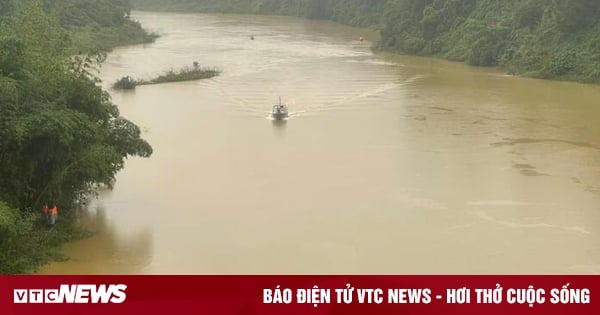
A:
[(554, 39), (60, 135), (366, 13)]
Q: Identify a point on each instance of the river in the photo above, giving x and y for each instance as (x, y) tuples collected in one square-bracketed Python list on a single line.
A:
[(389, 164)]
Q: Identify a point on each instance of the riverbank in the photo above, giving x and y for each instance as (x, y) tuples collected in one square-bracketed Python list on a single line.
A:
[(60, 134), (556, 41), (107, 38)]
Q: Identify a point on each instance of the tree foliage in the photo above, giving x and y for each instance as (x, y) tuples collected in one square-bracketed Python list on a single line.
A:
[(355, 12), (59, 132), (549, 39)]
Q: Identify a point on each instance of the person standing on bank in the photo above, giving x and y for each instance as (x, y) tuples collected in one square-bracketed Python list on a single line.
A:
[(53, 213), (45, 209)]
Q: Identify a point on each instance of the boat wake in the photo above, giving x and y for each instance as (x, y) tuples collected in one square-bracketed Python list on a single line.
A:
[(269, 116), (351, 98)]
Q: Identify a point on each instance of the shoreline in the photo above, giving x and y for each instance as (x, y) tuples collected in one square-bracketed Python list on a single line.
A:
[(69, 228), (377, 47)]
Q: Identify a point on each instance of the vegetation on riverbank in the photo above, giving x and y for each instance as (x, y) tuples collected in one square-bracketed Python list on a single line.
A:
[(98, 25), (90, 38), (363, 13), (59, 132), (537, 38), (184, 74), (26, 242)]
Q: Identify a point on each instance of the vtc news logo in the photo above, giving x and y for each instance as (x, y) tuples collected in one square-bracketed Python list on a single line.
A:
[(73, 294)]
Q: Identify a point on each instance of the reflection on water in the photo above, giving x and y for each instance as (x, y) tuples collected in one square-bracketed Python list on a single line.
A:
[(389, 164), (108, 251), (279, 125)]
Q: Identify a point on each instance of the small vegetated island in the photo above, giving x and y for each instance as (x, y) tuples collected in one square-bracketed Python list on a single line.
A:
[(184, 74)]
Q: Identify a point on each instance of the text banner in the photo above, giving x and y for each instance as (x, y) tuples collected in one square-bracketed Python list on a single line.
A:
[(228, 295)]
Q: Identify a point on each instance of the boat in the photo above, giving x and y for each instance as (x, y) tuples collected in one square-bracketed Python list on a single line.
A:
[(280, 111)]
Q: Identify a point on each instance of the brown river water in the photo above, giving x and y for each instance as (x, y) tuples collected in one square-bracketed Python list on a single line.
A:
[(388, 164)]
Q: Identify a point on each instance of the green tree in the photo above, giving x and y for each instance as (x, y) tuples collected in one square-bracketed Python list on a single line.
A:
[(60, 134)]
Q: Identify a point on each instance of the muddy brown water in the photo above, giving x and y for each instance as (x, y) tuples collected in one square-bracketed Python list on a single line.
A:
[(388, 163)]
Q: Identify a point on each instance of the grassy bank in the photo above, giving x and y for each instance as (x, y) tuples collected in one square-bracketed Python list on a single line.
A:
[(557, 40), (184, 74), (28, 242)]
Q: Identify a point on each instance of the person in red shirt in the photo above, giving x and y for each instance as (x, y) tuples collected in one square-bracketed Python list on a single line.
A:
[(45, 210), (53, 213)]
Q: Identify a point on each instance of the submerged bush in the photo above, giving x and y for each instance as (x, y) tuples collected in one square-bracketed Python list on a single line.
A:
[(125, 83), (185, 74)]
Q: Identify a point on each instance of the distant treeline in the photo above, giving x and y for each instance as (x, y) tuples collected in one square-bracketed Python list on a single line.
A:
[(97, 24), (540, 38), (60, 135), (366, 13)]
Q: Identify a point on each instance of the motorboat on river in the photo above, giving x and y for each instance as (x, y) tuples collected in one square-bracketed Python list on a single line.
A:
[(280, 111)]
